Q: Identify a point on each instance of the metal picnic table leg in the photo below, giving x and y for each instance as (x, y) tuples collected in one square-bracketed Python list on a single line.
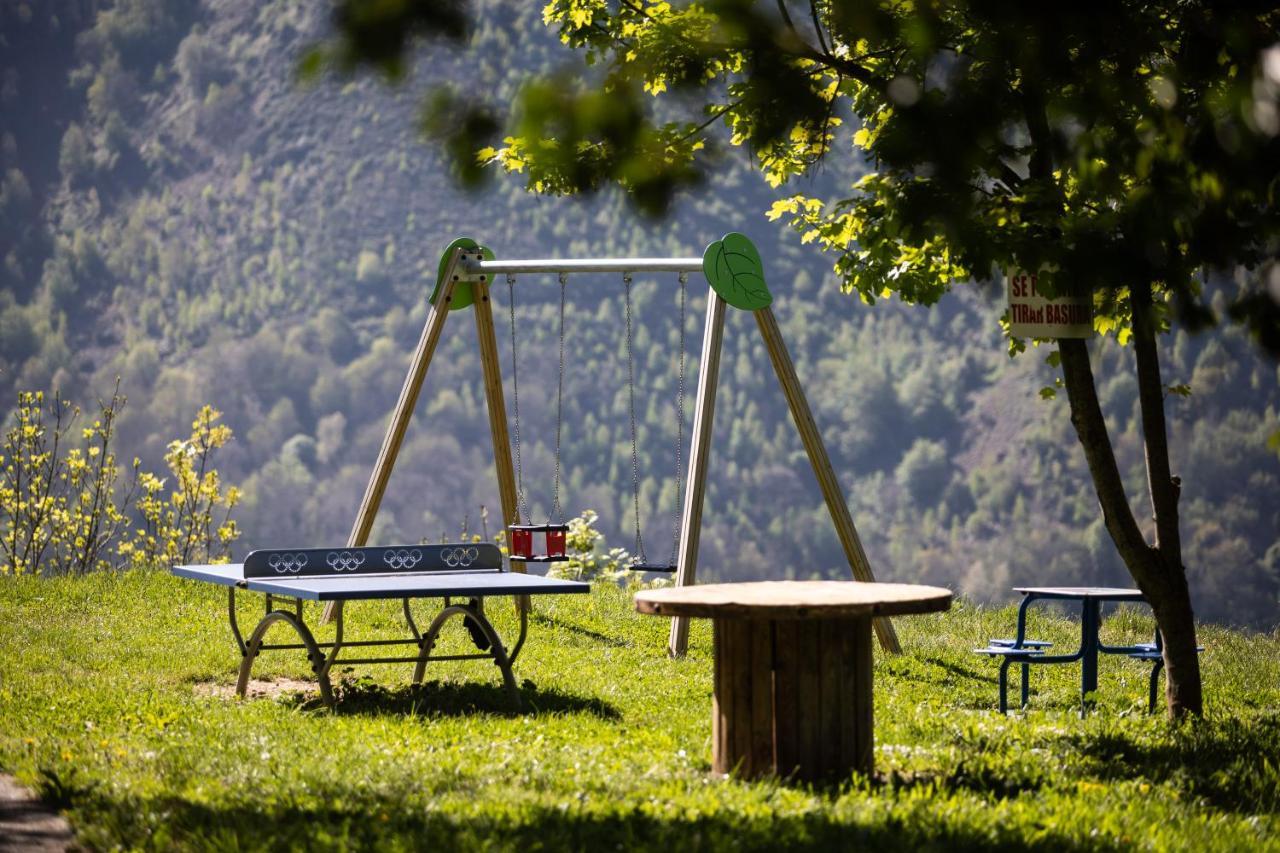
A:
[(1024, 666), (1026, 684), (1089, 625), (1019, 639), (1004, 685)]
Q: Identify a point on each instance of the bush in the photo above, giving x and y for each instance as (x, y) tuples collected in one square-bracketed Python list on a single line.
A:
[(192, 523), (62, 513), (590, 557), (58, 512)]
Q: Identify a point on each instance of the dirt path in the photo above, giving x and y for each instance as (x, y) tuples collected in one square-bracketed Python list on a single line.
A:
[(28, 824)]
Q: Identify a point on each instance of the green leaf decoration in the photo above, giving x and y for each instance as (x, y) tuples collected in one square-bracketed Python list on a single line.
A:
[(733, 269), (462, 293)]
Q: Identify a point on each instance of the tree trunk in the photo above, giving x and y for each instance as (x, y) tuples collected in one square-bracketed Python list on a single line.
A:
[(1157, 569), (1170, 597)]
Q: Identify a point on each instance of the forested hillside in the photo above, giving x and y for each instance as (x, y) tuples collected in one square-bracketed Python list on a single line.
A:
[(178, 210)]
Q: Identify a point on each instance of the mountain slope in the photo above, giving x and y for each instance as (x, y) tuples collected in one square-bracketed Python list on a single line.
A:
[(179, 211)]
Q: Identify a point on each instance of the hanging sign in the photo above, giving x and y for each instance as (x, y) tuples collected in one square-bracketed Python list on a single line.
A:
[(1034, 315)]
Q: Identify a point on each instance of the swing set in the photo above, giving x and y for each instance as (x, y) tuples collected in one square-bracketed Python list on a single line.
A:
[(735, 276)]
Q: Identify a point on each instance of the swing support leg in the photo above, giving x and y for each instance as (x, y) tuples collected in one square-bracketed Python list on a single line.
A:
[(703, 417), (400, 417), (497, 419), (817, 452), (699, 454)]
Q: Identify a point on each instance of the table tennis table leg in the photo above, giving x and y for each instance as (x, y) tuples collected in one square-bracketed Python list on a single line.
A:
[(498, 651), (332, 657), (408, 617), (235, 624), (524, 630), (317, 658)]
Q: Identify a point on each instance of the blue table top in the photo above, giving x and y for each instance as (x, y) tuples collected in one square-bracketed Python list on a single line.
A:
[(403, 585), (1100, 593)]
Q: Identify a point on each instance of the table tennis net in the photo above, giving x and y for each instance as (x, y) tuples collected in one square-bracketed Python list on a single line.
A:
[(383, 559)]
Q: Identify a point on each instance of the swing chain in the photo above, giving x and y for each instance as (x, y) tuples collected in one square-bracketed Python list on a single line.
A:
[(675, 538), (557, 511), (638, 556), (522, 505)]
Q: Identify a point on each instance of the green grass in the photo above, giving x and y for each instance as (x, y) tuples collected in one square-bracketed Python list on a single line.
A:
[(105, 710)]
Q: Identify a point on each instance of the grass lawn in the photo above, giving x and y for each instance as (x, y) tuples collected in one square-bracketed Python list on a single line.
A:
[(113, 706)]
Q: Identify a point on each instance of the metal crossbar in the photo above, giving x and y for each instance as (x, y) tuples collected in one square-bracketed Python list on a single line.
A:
[(579, 265)]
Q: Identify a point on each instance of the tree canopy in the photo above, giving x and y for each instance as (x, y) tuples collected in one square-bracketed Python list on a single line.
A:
[(1101, 143)]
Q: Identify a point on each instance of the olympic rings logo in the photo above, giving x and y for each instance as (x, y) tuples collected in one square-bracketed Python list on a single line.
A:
[(344, 561), (456, 558), (402, 559), (285, 563)]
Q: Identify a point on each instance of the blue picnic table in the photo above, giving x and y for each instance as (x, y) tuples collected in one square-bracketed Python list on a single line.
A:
[(1027, 652)]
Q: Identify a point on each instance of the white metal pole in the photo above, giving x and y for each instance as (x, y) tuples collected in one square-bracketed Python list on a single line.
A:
[(579, 265)]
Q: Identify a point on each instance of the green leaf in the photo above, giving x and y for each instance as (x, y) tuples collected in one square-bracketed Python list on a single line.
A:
[(733, 268), (1048, 393)]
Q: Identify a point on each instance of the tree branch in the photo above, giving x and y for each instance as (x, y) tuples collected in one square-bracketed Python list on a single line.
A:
[(1163, 489), (817, 28), (715, 116)]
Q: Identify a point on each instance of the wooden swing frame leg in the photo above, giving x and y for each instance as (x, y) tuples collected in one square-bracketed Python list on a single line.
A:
[(699, 454), (691, 523), (821, 463), (497, 405), (405, 405)]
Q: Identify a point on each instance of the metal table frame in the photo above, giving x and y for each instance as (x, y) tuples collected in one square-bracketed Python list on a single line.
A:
[(322, 662), (1091, 600)]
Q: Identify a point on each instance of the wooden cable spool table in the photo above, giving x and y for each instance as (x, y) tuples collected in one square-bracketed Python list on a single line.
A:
[(792, 693)]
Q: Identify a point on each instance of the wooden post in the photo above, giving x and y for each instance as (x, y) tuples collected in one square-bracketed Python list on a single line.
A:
[(817, 452), (703, 415), (400, 416), (497, 416)]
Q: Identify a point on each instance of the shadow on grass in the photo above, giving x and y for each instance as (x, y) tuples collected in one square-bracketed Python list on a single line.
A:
[(379, 824), (977, 777), (1230, 762), (553, 622), (971, 673), (449, 699)]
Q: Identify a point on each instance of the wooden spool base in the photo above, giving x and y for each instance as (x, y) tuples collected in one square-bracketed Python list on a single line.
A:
[(793, 698)]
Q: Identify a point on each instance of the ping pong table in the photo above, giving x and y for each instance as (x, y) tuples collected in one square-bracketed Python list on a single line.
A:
[(467, 571)]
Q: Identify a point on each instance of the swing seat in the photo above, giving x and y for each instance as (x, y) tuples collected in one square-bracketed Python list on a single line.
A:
[(653, 567)]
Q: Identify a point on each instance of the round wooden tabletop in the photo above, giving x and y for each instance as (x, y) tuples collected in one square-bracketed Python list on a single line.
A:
[(793, 600)]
